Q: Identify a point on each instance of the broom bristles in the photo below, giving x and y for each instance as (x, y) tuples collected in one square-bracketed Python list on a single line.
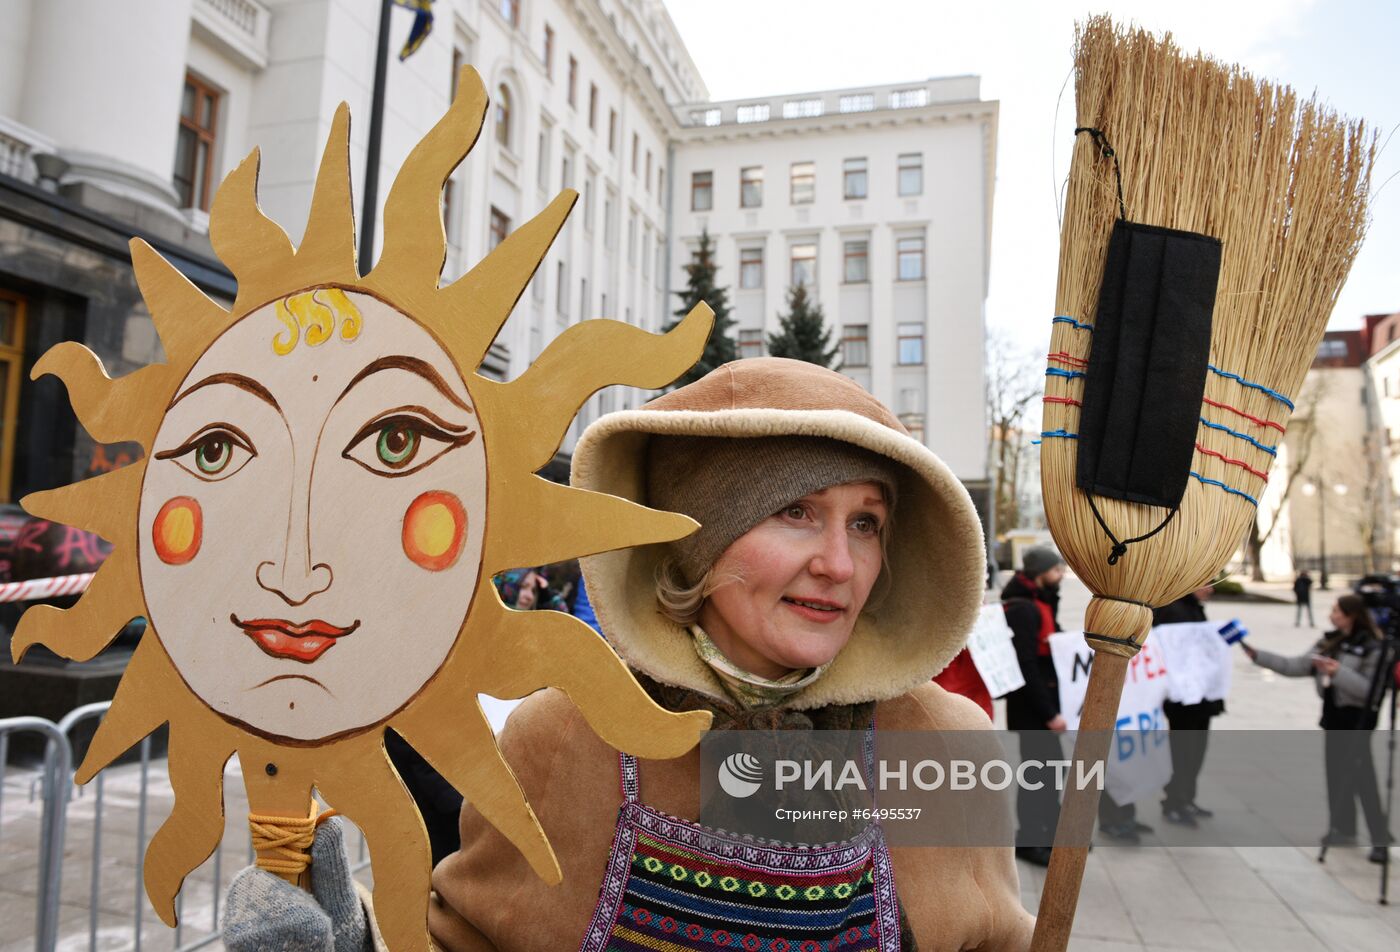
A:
[(1203, 147)]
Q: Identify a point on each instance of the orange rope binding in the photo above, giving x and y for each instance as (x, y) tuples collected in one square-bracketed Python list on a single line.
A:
[(283, 843)]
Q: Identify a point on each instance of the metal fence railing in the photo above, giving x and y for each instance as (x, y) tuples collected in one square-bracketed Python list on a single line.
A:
[(77, 825)]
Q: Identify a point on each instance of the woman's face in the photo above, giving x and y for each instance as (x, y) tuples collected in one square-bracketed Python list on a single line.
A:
[(805, 575), (1339, 618), (312, 513)]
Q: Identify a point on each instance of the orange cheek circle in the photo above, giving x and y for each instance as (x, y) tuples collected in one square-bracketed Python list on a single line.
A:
[(178, 530), (434, 528)]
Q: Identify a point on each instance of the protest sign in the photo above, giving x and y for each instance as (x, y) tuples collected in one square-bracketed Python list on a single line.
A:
[(992, 652)]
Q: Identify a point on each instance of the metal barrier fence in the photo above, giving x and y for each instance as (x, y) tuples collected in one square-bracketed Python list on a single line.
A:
[(54, 784)]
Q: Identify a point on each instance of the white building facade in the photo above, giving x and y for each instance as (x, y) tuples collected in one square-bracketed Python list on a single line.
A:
[(880, 198)]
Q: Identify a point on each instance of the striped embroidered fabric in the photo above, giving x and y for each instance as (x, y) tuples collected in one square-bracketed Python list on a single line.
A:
[(677, 898)]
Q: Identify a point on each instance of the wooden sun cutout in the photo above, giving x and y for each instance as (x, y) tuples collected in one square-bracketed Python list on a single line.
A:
[(326, 491)]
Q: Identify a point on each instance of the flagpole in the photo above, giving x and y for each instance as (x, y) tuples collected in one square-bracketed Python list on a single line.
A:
[(370, 207)]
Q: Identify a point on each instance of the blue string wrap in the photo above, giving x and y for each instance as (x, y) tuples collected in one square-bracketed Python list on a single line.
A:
[(1251, 385), (1229, 489), (1057, 372), (1242, 436), (1055, 434), (1062, 319)]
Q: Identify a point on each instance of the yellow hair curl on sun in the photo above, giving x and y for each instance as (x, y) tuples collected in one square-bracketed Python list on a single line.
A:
[(313, 315)]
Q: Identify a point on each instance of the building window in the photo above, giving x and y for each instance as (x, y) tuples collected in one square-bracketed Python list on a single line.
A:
[(855, 345), (855, 180), (588, 189), (804, 265), (573, 83), (458, 57), (753, 113), (702, 191), (911, 173), (500, 226), (510, 10), (857, 257), (646, 258), (549, 52), (636, 150), (751, 343), (706, 117), (802, 108), (561, 289), (908, 98), (660, 183), (1331, 348), (593, 106), (632, 239), (449, 213), (566, 168), (750, 268), (860, 102), (804, 183), (751, 187), (12, 326), (542, 173), (612, 131), (911, 259), (911, 343), (603, 304), (646, 179), (503, 116), (583, 299), (194, 145), (610, 220)]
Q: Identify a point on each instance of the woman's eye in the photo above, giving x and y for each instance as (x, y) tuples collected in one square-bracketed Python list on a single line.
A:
[(866, 524), (795, 512), (213, 454), (403, 443)]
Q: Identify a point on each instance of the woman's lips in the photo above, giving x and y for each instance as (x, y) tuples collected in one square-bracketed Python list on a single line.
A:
[(296, 641)]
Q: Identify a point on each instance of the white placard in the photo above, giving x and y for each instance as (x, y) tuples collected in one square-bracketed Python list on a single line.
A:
[(993, 653), (1198, 659), (1139, 762)]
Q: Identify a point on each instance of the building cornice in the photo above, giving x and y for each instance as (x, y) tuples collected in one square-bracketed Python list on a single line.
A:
[(936, 114)]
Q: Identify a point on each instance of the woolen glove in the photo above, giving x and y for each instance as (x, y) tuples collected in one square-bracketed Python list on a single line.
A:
[(265, 913)]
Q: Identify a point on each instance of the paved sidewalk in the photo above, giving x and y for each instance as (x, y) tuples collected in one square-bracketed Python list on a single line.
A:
[(1144, 898), (1278, 899)]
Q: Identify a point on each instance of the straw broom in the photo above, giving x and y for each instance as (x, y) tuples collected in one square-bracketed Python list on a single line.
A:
[(1283, 184)]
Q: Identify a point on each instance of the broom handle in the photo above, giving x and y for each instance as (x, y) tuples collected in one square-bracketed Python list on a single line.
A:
[(1062, 880)]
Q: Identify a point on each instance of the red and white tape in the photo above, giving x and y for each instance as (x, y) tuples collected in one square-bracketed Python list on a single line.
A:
[(37, 588)]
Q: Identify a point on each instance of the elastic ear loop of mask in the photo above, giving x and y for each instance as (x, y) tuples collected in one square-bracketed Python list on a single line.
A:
[(1120, 547)]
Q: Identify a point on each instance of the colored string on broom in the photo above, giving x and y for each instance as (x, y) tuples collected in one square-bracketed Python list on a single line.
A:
[(1251, 385), (1066, 435)]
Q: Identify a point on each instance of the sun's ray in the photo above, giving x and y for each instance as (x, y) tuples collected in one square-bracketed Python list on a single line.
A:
[(196, 823), (370, 793), (88, 504), (531, 650), (584, 359), (112, 411), (184, 316), (327, 251), (481, 300), (112, 599), (135, 710), (253, 246), (472, 763), (595, 523), (415, 244)]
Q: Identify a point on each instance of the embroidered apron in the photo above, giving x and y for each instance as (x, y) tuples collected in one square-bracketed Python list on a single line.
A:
[(674, 885)]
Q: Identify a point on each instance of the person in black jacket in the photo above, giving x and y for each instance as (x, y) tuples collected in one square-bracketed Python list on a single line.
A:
[(1031, 601), (1302, 594), (1188, 722)]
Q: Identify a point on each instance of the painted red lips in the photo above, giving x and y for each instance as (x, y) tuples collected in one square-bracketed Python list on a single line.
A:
[(295, 641)]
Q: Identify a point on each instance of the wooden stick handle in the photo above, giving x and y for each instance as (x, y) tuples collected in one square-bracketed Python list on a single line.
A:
[(1126, 624)]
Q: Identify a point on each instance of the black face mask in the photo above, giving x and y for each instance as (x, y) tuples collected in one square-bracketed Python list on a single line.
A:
[(1051, 588)]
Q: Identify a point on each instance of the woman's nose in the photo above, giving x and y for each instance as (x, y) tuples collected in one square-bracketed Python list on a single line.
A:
[(833, 560), (294, 581)]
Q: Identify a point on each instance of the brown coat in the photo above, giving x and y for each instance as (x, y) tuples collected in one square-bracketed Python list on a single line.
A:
[(486, 897)]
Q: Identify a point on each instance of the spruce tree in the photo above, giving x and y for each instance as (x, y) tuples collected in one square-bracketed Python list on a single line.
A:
[(701, 285), (802, 333)]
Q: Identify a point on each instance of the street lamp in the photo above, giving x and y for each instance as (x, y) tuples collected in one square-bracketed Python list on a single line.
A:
[(1309, 489)]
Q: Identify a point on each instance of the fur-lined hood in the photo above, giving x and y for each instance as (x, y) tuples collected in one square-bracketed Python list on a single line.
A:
[(936, 555)]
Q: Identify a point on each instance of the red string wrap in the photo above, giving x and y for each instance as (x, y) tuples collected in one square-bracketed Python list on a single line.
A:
[(1069, 401), (1248, 416), (1234, 462)]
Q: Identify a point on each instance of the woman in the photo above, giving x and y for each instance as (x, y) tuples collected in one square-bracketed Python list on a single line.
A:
[(837, 568), (1343, 665)]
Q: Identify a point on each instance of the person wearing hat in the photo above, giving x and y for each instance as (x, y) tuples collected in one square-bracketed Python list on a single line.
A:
[(837, 568), (1031, 600)]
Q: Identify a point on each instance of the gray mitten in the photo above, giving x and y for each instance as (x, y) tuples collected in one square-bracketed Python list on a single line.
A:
[(265, 913)]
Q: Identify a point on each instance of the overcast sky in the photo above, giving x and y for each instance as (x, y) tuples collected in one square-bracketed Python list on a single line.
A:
[(1347, 50)]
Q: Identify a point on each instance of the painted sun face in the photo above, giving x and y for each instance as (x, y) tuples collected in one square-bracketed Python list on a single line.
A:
[(312, 516)]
